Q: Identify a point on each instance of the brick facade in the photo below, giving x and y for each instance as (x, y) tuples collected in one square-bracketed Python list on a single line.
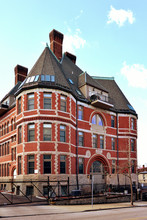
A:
[(15, 146)]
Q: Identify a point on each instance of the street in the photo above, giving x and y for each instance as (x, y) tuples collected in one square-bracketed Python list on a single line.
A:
[(58, 212)]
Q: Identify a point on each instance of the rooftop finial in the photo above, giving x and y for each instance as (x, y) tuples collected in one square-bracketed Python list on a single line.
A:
[(46, 44)]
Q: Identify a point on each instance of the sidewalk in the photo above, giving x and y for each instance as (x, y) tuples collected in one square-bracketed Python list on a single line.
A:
[(36, 211), (84, 208)]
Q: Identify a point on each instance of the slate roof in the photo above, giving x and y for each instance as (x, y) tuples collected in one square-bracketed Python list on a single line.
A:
[(79, 78), (85, 78), (47, 64), (69, 77), (121, 104), (72, 71), (12, 91)]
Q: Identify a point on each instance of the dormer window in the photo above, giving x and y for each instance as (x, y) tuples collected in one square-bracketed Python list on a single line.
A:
[(32, 78), (36, 78), (48, 78), (70, 80), (42, 77)]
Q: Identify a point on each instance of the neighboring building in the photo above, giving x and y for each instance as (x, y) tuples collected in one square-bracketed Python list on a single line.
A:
[(59, 121), (142, 175), (142, 180)]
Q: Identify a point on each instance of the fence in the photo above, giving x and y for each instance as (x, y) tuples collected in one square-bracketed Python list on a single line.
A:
[(18, 192)]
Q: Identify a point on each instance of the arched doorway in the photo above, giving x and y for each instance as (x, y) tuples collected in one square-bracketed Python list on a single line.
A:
[(98, 169), (98, 172)]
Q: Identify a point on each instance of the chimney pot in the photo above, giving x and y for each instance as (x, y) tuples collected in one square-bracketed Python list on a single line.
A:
[(20, 73), (56, 40), (71, 57)]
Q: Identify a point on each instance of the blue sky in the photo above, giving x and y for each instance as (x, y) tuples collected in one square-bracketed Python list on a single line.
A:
[(107, 36)]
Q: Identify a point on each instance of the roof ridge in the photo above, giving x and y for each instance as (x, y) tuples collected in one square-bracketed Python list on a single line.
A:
[(44, 60), (103, 77)]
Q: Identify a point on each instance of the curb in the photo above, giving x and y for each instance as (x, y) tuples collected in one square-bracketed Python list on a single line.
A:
[(123, 207)]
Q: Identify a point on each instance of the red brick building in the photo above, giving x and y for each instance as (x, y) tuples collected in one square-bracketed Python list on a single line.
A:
[(59, 121)]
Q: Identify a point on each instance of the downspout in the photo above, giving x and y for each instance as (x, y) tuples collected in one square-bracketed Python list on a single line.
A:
[(77, 179), (117, 151)]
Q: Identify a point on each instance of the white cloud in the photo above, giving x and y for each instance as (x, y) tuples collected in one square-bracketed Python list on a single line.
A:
[(73, 41), (120, 16), (78, 16), (136, 75)]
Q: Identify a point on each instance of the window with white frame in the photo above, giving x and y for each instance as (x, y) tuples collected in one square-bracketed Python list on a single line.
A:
[(81, 165), (31, 132), (113, 166), (19, 105), (47, 130), (101, 141), (31, 164), (63, 103), (81, 138), (47, 100), (94, 137), (46, 163), (133, 166), (112, 121), (132, 145), (132, 123), (19, 165), (113, 143), (62, 164), (30, 101), (62, 133), (80, 112), (19, 134)]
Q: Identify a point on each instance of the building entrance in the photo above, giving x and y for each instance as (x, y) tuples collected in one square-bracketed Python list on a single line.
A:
[(97, 171)]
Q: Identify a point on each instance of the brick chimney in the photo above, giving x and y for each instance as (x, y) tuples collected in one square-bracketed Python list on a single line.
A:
[(56, 39), (71, 57), (20, 73)]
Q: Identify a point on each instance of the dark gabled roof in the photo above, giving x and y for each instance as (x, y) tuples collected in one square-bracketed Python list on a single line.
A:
[(69, 77), (119, 100), (72, 72), (47, 64), (78, 77), (11, 92), (85, 78)]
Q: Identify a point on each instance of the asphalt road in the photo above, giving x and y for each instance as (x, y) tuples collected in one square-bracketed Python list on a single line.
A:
[(56, 212)]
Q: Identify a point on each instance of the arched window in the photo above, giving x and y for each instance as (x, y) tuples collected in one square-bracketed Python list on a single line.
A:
[(97, 120)]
